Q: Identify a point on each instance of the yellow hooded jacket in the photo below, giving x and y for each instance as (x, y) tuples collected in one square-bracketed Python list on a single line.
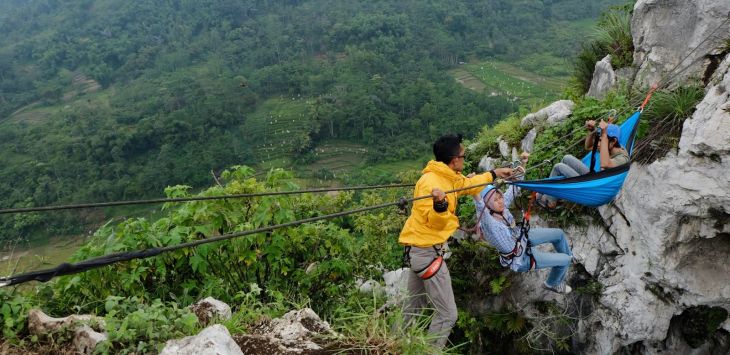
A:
[(426, 227)]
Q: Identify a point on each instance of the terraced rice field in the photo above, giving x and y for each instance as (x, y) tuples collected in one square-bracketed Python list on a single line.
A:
[(498, 78), (277, 129)]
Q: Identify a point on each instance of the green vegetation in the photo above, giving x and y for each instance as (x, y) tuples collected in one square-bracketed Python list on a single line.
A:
[(662, 120), (612, 35), (508, 130), (110, 100), (505, 79), (261, 276)]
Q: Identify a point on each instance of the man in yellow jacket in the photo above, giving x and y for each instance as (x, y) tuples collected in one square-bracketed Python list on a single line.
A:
[(428, 227)]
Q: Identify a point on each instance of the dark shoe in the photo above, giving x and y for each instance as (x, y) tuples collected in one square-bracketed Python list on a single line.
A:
[(544, 202)]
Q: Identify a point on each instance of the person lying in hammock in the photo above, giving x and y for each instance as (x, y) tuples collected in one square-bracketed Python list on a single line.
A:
[(516, 250), (612, 155)]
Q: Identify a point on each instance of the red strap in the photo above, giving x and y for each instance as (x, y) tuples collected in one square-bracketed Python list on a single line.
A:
[(432, 268), (533, 197), (648, 96)]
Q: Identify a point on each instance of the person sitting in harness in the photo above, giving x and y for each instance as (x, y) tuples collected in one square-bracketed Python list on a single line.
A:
[(612, 155), (516, 242)]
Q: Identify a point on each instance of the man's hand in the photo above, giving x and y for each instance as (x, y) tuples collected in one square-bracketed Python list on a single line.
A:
[(440, 203), (437, 194), (503, 173), (471, 175), (590, 125)]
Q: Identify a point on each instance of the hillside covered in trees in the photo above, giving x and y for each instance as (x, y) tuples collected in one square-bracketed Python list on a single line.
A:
[(110, 99)]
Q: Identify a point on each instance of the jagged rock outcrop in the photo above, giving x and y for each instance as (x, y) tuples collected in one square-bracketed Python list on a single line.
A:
[(503, 148), (370, 287), (665, 237), (293, 333), (529, 141), (396, 284), (666, 32), (209, 309), (41, 323), (556, 112), (604, 78), (660, 250), (85, 337), (486, 163)]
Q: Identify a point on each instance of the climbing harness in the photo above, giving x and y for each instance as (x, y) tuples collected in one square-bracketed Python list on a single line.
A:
[(432, 268)]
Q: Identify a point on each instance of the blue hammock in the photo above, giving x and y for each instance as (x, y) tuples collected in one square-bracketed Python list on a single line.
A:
[(593, 189)]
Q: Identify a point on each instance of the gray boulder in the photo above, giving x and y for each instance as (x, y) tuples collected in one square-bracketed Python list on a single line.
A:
[(486, 163), (213, 340), (666, 33), (396, 284), (209, 309), (529, 141), (604, 78), (556, 112)]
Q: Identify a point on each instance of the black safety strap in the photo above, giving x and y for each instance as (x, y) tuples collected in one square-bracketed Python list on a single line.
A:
[(593, 152)]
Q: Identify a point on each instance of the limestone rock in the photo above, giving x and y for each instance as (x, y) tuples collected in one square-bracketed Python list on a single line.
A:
[(529, 141), (604, 79), (503, 148), (40, 323), (261, 344), (213, 340), (556, 112), (293, 333), (486, 163), (667, 227), (667, 31), (86, 339), (299, 326), (370, 287), (209, 309), (396, 283)]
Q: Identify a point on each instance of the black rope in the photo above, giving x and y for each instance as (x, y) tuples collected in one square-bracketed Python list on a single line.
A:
[(197, 198), (68, 268)]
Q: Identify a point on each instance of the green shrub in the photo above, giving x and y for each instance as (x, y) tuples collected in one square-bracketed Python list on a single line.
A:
[(661, 125), (612, 35), (134, 326), (14, 307), (509, 129)]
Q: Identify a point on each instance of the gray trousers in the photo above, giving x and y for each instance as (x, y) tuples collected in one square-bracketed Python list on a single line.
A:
[(569, 167), (437, 290)]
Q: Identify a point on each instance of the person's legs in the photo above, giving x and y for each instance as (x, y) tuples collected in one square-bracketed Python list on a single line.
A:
[(439, 293), (576, 164), (569, 167), (416, 298), (559, 261)]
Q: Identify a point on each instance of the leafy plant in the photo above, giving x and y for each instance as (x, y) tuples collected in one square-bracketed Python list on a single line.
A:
[(14, 307), (612, 35), (486, 143), (661, 124), (137, 327)]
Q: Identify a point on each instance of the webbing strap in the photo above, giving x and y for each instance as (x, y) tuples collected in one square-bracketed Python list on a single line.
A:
[(648, 96)]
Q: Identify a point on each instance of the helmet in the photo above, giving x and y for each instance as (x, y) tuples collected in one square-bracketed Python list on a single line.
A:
[(486, 190), (613, 131)]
